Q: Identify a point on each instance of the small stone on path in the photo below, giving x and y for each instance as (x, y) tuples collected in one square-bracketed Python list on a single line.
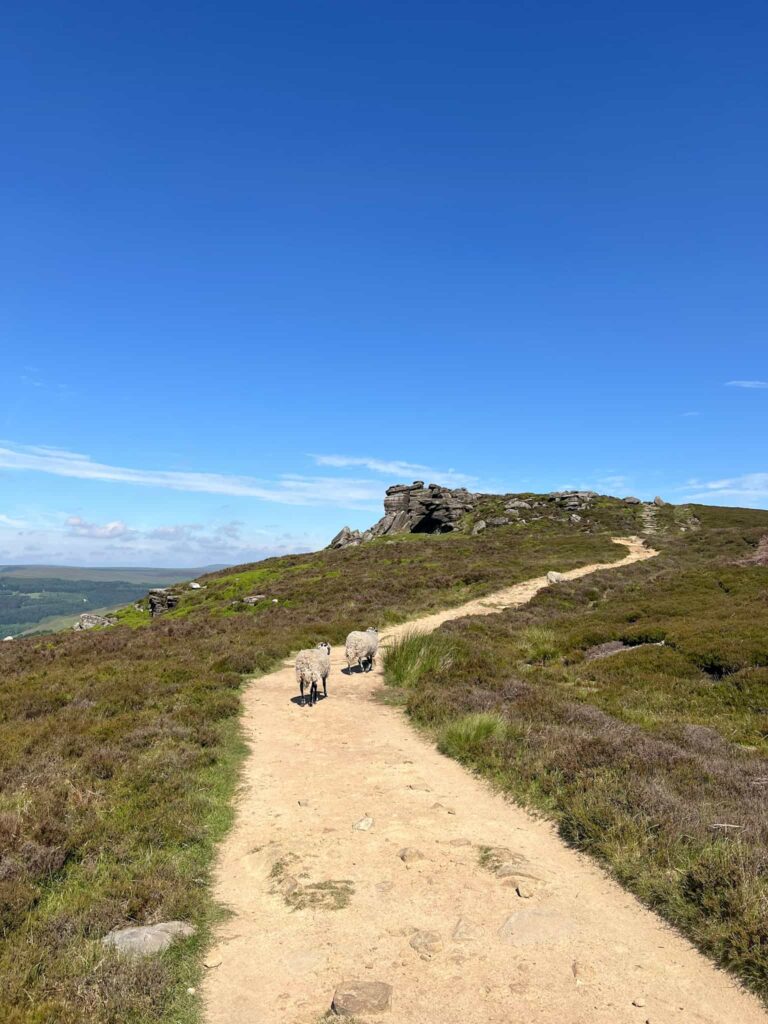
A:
[(466, 931), (426, 942), (409, 854), (354, 997)]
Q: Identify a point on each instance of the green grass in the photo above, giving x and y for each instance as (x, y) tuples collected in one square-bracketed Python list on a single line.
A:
[(119, 751), (416, 655), (638, 755)]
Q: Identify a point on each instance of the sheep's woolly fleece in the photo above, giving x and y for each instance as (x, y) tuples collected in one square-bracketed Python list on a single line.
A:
[(361, 646)]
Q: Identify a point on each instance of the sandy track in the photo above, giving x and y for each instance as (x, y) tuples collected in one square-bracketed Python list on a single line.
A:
[(576, 949)]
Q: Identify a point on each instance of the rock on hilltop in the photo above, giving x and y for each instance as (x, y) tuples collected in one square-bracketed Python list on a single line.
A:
[(416, 508)]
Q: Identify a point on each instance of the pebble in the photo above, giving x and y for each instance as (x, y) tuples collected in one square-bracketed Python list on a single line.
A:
[(426, 943), (409, 854), (465, 931)]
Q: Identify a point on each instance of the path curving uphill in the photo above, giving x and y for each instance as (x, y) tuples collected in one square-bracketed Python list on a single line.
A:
[(402, 899)]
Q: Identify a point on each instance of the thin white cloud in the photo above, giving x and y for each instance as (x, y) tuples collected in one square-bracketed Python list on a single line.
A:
[(17, 524), (286, 490), (116, 530), (396, 468), (76, 541), (749, 489), (611, 484), (750, 384)]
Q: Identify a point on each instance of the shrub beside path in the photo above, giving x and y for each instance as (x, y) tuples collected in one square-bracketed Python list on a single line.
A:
[(471, 909)]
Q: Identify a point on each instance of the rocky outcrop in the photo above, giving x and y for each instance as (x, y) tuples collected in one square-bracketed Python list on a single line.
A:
[(160, 600), (430, 508), (413, 508)]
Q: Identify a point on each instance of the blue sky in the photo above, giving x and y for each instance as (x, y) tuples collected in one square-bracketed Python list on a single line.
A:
[(260, 261)]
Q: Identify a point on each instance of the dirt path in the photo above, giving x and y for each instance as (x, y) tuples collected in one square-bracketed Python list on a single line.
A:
[(573, 949)]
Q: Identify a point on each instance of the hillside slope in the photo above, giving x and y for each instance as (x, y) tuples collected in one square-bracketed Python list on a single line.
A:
[(119, 747), (40, 597)]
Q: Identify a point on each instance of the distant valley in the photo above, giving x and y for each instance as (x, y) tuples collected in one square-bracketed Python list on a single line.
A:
[(45, 598)]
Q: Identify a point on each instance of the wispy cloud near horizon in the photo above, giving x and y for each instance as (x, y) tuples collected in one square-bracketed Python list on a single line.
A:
[(77, 541), (288, 489), (396, 468), (751, 488)]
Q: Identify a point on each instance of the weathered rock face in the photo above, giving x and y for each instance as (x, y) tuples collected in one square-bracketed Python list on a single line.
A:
[(414, 508), (161, 600)]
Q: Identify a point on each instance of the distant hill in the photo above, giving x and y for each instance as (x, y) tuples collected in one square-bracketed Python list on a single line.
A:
[(128, 574), (36, 598)]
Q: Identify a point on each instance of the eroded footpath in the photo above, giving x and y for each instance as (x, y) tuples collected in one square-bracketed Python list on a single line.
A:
[(472, 910)]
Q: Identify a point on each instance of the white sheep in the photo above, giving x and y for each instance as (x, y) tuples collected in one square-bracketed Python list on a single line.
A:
[(312, 667), (362, 647)]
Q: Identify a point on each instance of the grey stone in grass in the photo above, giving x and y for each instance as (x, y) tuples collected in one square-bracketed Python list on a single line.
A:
[(145, 940)]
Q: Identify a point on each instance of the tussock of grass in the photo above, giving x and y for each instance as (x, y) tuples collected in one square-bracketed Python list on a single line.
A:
[(538, 644), (416, 656), (466, 737)]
